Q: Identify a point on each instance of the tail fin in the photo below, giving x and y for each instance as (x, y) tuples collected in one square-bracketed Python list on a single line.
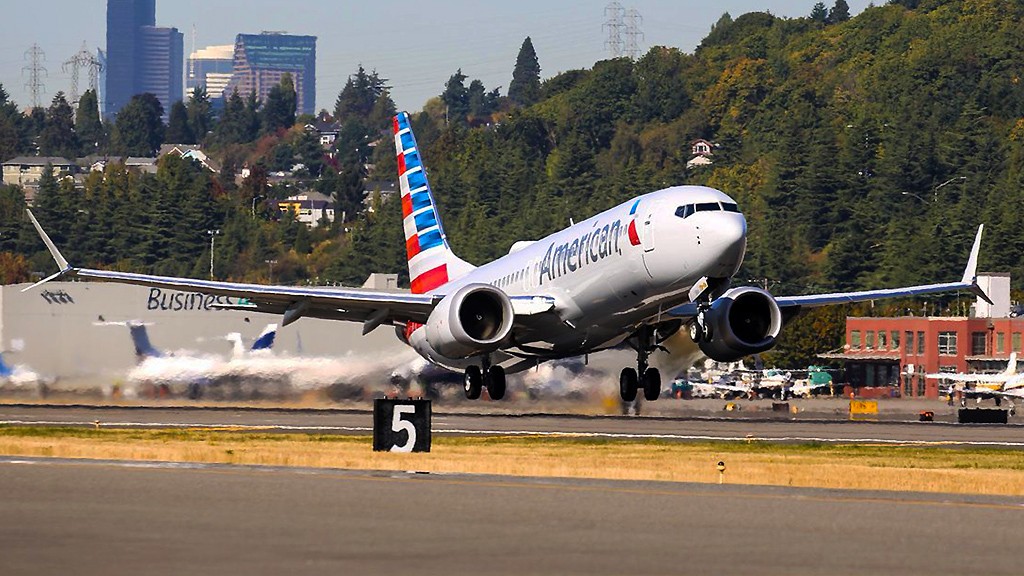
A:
[(265, 341), (1011, 365), (143, 348), (5, 370), (431, 261)]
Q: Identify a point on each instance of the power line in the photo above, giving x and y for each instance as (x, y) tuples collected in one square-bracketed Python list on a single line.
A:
[(36, 73), (83, 59)]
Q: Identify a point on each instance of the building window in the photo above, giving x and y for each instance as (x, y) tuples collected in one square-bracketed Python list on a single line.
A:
[(908, 382), (920, 342), (977, 343), (1000, 342), (1016, 341), (909, 337), (920, 385), (894, 340), (881, 339), (947, 343), (869, 339), (855, 339)]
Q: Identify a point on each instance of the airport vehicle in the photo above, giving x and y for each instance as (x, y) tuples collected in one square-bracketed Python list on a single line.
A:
[(637, 274)]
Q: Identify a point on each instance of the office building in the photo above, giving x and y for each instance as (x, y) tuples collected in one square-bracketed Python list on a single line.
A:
[(261, 60), (160, 65), (141, 57), (125, 19), (211, 67)]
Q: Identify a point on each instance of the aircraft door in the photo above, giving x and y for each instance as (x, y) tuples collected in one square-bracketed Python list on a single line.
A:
[(647, 231)]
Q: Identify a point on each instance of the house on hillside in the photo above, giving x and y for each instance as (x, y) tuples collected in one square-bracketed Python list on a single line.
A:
[(310, 208), (326, 128), (701, 151), (25, 171), (190, 152)]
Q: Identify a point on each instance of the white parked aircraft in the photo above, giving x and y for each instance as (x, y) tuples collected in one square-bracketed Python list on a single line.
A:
[(1006, 384), (17, 375), (636, 274)]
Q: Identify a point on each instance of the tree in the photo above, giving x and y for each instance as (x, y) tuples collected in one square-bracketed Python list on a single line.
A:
[(14, 129), (58, 137), (88, 126), (178, 130), (139, 130), (524, 89), (819, 13), (359, 96), (200, 114), (456, 98), (278, 112), (839, 13)]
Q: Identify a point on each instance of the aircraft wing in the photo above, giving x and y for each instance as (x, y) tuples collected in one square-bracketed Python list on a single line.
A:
[(967, 283), (371, 307)]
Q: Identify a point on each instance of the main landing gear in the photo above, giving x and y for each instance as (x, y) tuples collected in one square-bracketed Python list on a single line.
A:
[(493, 377), (631, 380)]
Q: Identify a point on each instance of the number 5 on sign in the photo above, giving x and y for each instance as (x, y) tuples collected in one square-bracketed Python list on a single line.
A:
[(401, 425)]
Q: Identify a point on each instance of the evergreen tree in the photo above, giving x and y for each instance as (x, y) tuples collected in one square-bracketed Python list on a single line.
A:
[(58, 137), (359, 96), (819, 13), (87, 124), (278, 112), (839, 13), (200, 114), (456, 98), (524, 89), (139, 130), (178, 130), (14, 129)]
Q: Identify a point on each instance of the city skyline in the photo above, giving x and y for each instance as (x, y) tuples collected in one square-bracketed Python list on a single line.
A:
[(416, 49)]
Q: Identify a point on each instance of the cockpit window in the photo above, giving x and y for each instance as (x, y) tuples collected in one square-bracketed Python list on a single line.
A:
[(690, 209)]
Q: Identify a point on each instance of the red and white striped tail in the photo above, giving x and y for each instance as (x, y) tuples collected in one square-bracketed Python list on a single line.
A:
[(431, 261)]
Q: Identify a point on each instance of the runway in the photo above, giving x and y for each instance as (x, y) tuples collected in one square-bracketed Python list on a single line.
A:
[(104, 517), (680, 429)]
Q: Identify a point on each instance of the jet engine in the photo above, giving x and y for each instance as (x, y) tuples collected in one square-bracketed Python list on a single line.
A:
[(473, 320), (741, 322)]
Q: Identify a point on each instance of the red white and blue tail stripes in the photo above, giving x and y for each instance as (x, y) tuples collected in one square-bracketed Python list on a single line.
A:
[(425, 245)]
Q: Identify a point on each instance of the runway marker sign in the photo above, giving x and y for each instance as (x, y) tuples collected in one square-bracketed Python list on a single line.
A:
[(401, 425)]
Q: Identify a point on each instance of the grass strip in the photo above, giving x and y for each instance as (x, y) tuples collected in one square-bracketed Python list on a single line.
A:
[(873, 467)]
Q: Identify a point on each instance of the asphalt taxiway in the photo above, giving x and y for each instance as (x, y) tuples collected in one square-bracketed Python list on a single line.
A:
[(111, 517), (667, 428)]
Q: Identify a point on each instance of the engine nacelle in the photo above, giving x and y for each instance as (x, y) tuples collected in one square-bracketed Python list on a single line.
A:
[(743, 321), (474, 320)]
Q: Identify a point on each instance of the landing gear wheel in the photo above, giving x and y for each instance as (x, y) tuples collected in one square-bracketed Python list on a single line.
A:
[(628, 384), (652, 384), (474, 382), (696, 332), (496, 382)]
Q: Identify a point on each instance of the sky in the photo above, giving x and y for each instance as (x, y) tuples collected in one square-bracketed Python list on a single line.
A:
[(416, 45)]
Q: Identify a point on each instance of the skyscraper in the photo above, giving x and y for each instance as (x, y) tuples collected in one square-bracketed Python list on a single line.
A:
[(141, 57), (160, 65), (125, 18), (261, 60), (211, 67)]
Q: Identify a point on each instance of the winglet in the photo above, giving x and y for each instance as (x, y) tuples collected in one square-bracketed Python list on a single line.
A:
[(57, 256), (971, 272)]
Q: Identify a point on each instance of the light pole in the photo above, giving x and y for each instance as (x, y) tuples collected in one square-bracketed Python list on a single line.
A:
[(270, 267), (213, 236), (935, 191)]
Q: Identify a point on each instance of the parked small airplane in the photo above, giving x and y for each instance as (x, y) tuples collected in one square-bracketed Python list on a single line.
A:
[(635, 274), (1007, 384), (17, 375)]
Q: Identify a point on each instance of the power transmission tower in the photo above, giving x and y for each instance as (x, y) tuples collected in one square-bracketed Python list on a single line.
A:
[(36, 72), (614, 24), (83, 59), (633, 20)]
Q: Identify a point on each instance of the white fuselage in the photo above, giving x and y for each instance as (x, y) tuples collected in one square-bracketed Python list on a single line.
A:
[(614, 270)]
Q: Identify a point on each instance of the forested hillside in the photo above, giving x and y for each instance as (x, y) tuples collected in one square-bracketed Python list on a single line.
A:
[(863, 151)]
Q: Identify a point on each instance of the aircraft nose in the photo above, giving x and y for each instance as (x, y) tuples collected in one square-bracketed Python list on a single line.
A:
[(728, 238)]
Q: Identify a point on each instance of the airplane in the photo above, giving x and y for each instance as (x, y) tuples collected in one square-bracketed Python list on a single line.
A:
[(17, 375), (1006, 384), (196, 370), (632, 275)]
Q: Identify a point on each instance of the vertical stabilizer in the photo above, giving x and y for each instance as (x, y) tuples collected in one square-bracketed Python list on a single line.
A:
[(265, 341), (5, 370), (431, 261), (143, 348)]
